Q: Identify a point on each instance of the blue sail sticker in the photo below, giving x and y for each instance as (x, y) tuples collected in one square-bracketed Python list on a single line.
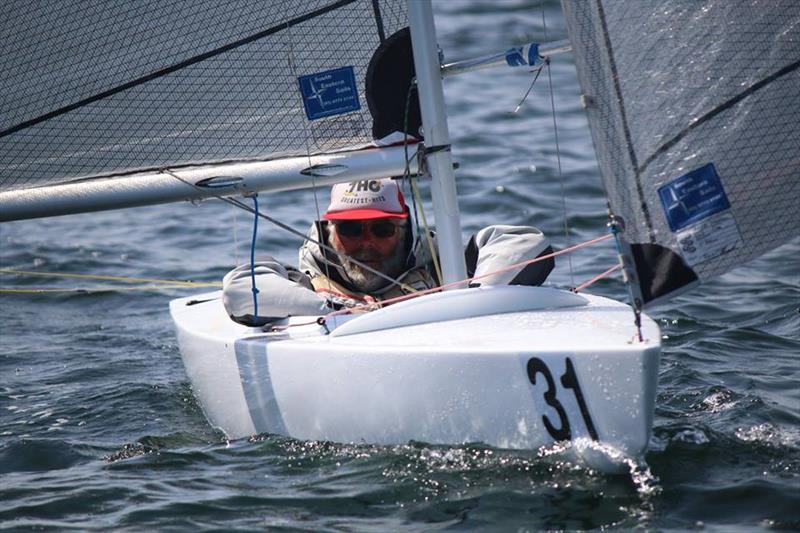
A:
[(693, 197), (329, 93)]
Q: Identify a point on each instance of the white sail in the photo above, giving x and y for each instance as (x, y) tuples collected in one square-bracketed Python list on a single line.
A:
[(694, 108), (97, 98)]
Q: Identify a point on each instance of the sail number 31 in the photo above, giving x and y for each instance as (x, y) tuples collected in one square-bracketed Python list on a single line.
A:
[(569, 380)]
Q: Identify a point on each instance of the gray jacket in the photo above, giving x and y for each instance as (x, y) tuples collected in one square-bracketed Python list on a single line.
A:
[(284, 291)]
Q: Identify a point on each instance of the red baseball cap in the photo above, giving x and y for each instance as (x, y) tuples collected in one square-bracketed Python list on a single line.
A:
[(366, 199)]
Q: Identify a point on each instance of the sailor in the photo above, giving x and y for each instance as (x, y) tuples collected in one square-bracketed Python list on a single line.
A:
[(366, 251), (374, 253)]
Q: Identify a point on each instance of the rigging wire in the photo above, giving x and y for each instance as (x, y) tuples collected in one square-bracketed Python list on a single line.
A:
[(558, 156), (376, 305), (235, 237), (253, 257), (467, 281), (528, 92), (416, 197), (169, 284), (434, 256), (507, 268), (318, 225), (293, 231), (317, 242), (614, 227)]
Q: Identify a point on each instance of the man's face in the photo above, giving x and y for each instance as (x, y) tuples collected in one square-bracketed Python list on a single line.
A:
[(378, 243)]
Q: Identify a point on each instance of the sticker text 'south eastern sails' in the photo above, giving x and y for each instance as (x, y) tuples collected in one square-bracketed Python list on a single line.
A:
[(329, 93)]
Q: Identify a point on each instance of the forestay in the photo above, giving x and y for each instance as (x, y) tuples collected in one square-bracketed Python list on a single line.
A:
[(91, 90), (694, 109)]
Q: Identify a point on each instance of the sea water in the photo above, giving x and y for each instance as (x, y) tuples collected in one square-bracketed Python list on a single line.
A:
[(99, 428)]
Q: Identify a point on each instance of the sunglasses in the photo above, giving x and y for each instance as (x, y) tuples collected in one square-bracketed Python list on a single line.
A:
[(380, 229)]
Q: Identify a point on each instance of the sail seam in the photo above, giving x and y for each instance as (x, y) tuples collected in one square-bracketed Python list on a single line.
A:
[(173, 68), (624, 117), (719, 109)]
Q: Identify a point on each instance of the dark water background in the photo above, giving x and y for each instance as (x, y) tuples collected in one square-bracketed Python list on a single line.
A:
[(99, 428)]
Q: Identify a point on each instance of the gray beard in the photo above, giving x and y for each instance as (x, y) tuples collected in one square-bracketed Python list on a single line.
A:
[(365, 281)]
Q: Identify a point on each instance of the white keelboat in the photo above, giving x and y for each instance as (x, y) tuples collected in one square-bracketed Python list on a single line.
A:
[(699, 158)]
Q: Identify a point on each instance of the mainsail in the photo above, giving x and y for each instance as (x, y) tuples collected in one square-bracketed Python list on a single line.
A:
[(115, 90), (694, 108)]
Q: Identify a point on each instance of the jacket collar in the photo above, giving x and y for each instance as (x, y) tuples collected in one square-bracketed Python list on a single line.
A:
[(318, 261)]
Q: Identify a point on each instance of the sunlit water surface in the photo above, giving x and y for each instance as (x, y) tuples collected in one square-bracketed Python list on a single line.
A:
[(99, 428)]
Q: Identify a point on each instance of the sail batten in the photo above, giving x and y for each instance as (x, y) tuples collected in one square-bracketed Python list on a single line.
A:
[(694, 117)]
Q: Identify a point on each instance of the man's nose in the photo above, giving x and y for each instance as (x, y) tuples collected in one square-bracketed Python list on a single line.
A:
[(367, 241)]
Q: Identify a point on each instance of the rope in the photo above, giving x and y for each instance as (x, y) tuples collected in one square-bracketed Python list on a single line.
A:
[(434, 255), (293, 231), (608, 272), (535, 77), (308, 135), (121, 279), (467, 281), (235, 238), (253, 257), (416, 197), (92, 290), (318, 243)]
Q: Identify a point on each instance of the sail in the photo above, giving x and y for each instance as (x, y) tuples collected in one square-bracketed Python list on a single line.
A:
[(97, 90), (694, 108)]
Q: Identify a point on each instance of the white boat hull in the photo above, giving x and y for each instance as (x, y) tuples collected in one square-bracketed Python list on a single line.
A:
[(556, 367)]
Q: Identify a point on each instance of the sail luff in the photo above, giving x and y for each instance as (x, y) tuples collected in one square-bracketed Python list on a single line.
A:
[(207, 181)]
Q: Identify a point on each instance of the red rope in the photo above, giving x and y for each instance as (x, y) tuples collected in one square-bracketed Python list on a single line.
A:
[(468, 280), (598, 277)]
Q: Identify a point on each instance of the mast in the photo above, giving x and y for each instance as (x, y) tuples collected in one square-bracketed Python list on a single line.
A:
[(437, 140)]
